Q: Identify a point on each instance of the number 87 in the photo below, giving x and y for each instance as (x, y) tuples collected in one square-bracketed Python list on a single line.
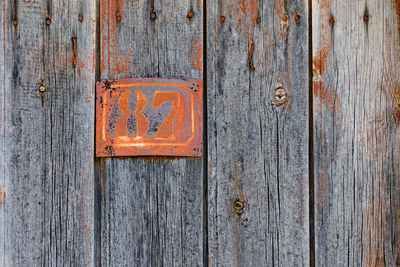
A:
[(166, 130)]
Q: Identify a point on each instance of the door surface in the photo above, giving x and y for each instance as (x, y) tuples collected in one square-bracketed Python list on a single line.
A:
[(301, 141)]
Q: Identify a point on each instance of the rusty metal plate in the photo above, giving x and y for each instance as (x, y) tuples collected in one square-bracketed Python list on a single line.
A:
[(151, 116)]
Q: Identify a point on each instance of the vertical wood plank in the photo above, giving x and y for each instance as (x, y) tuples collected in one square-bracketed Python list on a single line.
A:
[(356, 89), (151, 207), (47, 144), (258, 146)]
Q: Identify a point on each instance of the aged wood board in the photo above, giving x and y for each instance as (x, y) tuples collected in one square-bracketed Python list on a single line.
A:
[(258, 119), (46, 140), (151, 208), (356, 71)]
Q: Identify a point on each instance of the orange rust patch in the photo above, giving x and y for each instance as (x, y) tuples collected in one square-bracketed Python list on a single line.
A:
[(196, 53), (321, 56), (379, 128), (327, 97), (396, 4), (246, 13), (2, 196), (110, 11)]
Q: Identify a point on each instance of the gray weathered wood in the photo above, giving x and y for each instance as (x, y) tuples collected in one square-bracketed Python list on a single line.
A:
[(151, 207), (258, 149), (47, 143), (356, 132)]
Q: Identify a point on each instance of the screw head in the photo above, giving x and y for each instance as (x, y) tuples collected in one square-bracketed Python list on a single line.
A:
[(48, 21), (42, 88)]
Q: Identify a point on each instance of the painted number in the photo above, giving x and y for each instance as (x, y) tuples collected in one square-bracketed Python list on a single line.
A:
[(166, 130)]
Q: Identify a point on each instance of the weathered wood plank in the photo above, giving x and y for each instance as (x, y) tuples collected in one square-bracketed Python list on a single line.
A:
[(47, 145), (151, 208), (258, 147), (356, 132)]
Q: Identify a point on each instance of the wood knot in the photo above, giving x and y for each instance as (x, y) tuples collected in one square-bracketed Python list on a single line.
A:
[(280, 95), (222, 18), (80, 18)]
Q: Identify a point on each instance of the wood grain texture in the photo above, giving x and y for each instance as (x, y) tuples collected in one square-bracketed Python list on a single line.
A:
[(47, 144), (258, 148), (151, 207), (356, 132)]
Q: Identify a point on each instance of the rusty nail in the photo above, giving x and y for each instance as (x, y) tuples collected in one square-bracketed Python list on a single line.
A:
[(119, 18), (15, 22), (153, 15), (258, 20), (190, 15), (222, 18), (238, 206), (280, 95), (42, 89), (48, 20), (332, 21), (297, 17), (74, 52), (80, 18), (366, 17)]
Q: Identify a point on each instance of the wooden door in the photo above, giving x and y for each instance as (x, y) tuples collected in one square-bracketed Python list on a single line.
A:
[(301, 150)]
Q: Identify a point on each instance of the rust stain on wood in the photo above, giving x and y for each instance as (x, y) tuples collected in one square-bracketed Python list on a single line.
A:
[(111, 12), (139, 117), (74, 52), (320, 58), (246, 13), (1, 193), (396, 4), (327, 97), (196, 53)]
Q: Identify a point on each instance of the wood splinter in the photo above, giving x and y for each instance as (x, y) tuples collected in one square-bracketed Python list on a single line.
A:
[(250, 57)]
